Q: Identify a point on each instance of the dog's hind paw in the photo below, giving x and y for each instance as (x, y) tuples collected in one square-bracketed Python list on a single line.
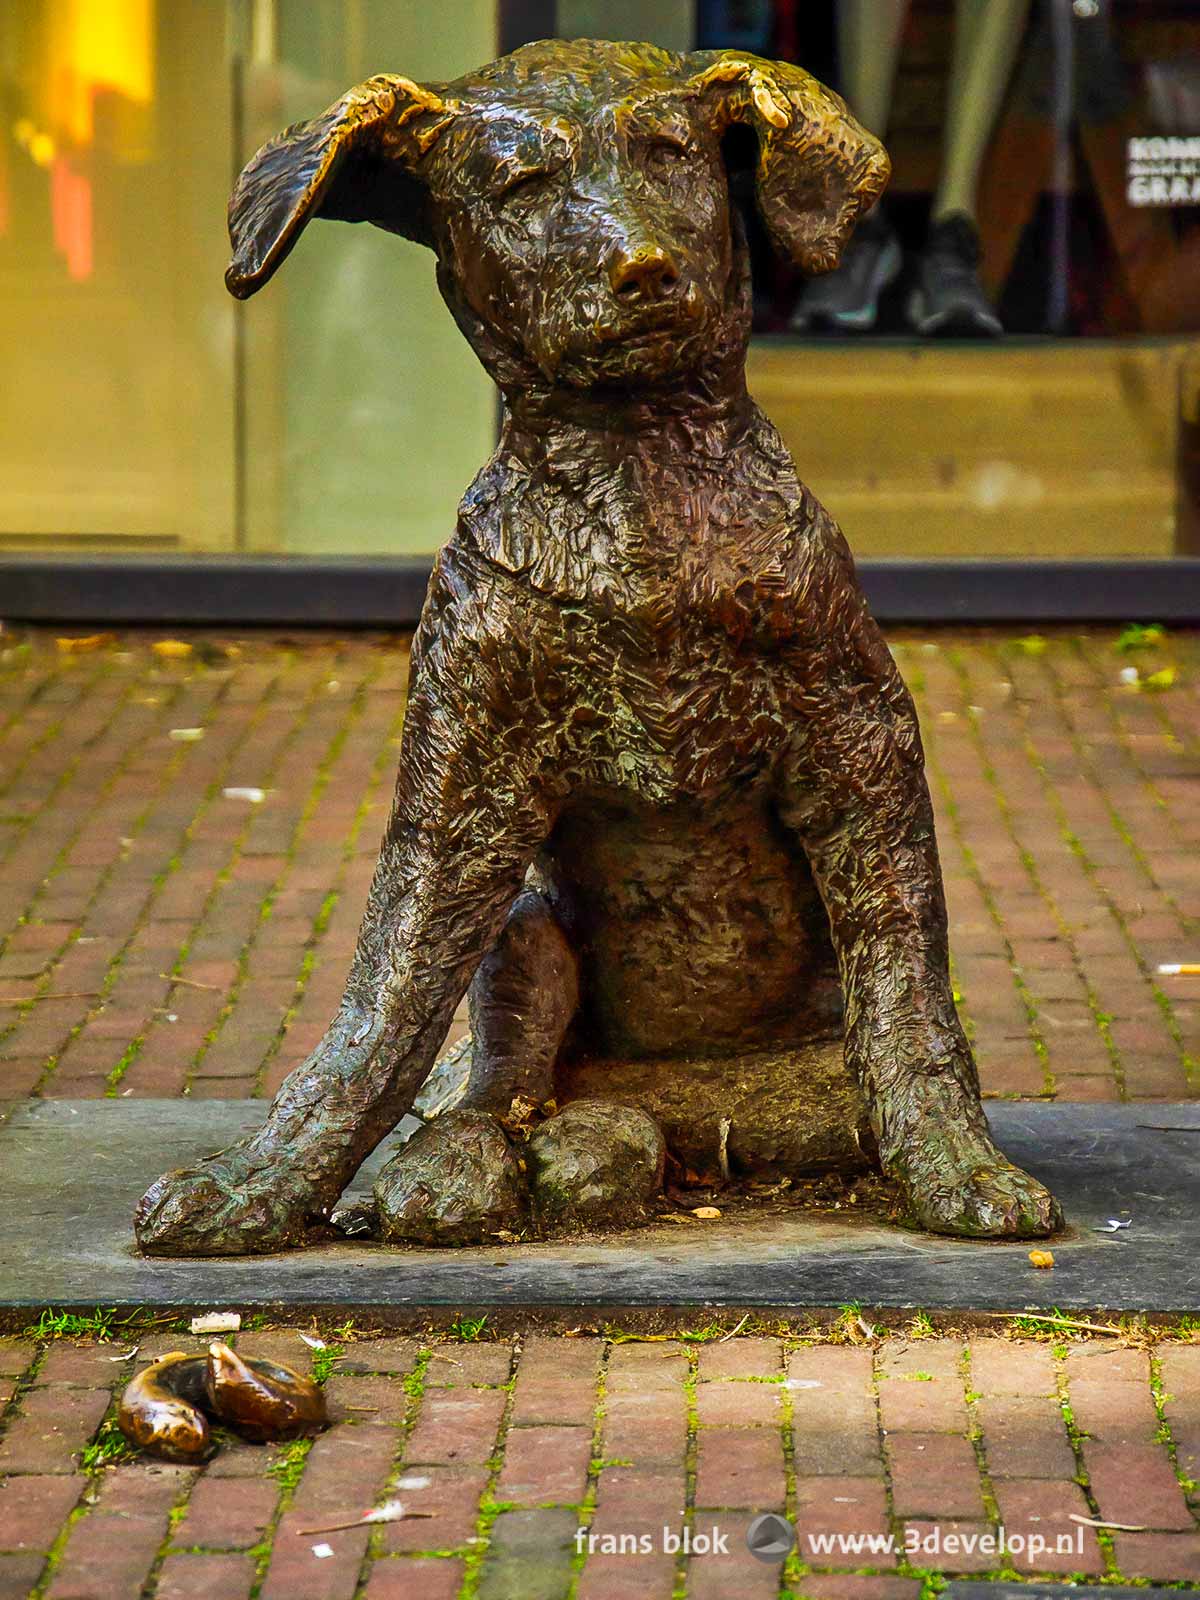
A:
[(220, 1208)]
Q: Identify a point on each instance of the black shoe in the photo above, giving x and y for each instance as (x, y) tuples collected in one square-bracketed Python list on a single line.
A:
[(847, 300), (948, 297)]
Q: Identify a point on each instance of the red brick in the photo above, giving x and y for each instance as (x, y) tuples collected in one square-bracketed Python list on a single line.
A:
[(545, 1466), (1170, 1557), (934, 1475), (239, 1459), (623, 1576), (228, 1513), (645, 1428), (740, 1358), (1004, 1366), (86, 1366), (1180, 1372), (856, 1586), (51, 1429), (642, 1367), (371, 1398), (631, 1492), (569, 1402), (912, 1404), (18, 1574), (550, 1358), (205, 1577), (1033, 1506), (740, 1404), (463, 1364), (379, 1355), (296, 1572), (854, 1508), (110, 1551), (456, 1426), (835, 1426), (397, 1578), (1110, 1395), (951, 1546), (345, 1472), (720, 1574), (1025, 1437), (33, 1507), (452, 1493), (740, 1467), (15, 1356), (1136, 1483)]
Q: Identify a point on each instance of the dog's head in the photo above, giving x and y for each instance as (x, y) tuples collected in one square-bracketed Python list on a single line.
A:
[(577, 197)]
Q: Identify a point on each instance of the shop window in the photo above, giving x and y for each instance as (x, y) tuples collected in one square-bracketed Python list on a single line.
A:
[(1046, 164)]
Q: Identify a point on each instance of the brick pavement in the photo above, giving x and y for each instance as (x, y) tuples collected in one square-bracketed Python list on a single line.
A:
[(199, 941), (594, 1468), (160, 937)]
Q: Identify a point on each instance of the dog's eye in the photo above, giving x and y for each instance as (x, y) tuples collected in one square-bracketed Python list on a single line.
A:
[(522, 186)]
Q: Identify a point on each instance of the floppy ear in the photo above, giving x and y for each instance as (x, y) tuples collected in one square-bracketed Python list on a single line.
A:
[(818, 170), (354, 163)]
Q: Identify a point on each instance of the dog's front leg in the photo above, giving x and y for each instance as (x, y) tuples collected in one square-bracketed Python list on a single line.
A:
[(471, 810), (853, 788)]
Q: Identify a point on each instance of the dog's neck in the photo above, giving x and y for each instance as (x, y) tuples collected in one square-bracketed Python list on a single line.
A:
[(705, 417), (620, 498)]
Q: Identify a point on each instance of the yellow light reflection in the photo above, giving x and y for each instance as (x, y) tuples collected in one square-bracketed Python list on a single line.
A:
[(86, 84), (96, 45)]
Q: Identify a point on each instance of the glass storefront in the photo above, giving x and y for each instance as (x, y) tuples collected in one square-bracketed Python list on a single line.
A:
[(1005, 365), (117, 398), (141, 407)]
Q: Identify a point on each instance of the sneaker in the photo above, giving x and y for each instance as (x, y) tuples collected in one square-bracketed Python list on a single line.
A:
[(847, 300), (948, 297)]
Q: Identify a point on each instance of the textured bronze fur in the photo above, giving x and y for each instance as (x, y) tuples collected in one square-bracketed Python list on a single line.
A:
[(649, 709)]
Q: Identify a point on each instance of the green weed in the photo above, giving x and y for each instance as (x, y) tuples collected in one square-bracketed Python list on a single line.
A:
[(53, 1324), (1139, 636), (468, 1329), (108, 1449)]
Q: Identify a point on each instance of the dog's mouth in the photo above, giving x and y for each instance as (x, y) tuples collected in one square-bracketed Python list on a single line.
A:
[(634, 342), (636, 338), (676, 317)]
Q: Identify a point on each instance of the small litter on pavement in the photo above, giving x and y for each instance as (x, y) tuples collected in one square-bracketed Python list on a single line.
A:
[(390, 1511), (216, 1322)]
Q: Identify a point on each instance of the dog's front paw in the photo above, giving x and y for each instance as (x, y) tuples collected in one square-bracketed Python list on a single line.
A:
[(971, 1190), (224, 1207)]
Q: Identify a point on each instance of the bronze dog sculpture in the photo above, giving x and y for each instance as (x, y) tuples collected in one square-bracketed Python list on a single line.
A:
[(661, 791)]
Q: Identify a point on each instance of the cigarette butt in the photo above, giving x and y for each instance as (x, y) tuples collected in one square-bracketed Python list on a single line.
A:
[(1179, 969)]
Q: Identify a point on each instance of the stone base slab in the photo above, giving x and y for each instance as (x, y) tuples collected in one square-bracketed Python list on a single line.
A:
[(72, 1171)]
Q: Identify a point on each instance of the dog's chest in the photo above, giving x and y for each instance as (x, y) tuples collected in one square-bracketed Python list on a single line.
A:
[(674, 711), (657, 546), (672, 607)]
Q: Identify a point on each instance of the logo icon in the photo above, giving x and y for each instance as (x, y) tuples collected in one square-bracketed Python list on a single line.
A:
[(770, 1537)]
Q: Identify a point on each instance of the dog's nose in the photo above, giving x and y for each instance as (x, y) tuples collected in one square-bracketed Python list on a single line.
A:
[(645, 270)]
